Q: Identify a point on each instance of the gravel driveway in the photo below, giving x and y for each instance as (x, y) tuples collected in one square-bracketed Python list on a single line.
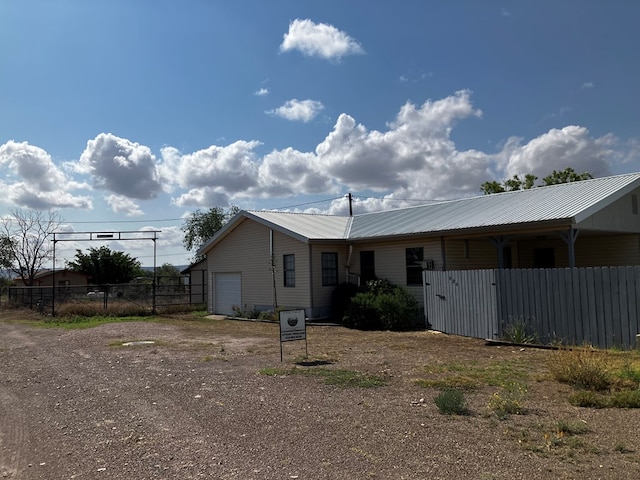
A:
[(77, 404)]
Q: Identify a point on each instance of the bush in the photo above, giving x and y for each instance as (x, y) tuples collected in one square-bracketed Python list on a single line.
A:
[(383, 307), (340, 298), (582, 368), (451, 402)]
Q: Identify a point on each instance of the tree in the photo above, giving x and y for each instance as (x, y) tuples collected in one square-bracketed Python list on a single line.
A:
[(201, 226), (566, 176), (24, 241), (105, 266), (167, 274), (529, 181)]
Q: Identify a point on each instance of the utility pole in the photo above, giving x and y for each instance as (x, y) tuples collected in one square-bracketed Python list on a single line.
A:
[(350, 205)]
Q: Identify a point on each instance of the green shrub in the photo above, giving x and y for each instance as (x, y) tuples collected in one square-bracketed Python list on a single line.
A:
[(340, 298), (451, 402), (383, 307), (362, 312)]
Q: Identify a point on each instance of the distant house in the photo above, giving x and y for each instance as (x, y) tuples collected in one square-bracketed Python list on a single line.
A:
[(262, 257), (197, 279), (45, 278)]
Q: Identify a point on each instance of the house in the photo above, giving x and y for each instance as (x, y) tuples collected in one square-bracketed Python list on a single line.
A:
[(64, 277), (263, 258)]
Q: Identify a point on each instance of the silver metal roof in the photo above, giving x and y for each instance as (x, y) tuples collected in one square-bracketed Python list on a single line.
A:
[(306, 226), (569, 202)]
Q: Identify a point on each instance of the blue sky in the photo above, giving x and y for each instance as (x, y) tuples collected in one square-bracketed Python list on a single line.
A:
[(128, 115)]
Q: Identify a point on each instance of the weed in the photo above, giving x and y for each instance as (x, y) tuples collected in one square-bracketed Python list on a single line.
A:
[(583, 368), (621, 447), (508, 401), (519, 332), (451, 401), (571, 428), (589, 399)]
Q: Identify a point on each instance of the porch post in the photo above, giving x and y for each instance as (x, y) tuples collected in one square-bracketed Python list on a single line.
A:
[(500, 242), (570, 239)]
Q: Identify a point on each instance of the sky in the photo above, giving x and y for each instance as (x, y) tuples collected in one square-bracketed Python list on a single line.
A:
[(126, 116)]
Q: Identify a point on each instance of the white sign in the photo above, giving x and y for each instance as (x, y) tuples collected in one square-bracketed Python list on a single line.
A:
[(292, 325)]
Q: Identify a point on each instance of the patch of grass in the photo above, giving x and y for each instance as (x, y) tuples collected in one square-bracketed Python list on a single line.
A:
[(78, 321), (603, 379), (468, 376), (332, 376), (451, 402)]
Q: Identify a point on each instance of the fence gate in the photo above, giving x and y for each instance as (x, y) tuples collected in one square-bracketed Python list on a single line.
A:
[(461, 302)]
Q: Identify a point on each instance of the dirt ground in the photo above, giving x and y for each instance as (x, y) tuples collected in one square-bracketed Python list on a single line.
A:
[(196, 403)]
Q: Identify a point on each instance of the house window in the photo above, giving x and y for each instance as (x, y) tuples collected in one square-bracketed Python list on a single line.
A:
[(329, 269), (367, 266), (544, 258), (414, 257), (289, 267)]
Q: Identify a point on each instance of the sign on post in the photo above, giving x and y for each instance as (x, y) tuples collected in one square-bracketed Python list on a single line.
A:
[(292, 327)]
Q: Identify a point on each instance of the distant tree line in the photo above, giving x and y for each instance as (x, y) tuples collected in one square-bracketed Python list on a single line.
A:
[(529, 181)]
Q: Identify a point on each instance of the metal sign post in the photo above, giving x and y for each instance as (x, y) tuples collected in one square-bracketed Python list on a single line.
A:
[(293, 327)]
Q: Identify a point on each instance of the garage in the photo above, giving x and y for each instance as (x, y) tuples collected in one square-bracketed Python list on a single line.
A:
[(227, 292)]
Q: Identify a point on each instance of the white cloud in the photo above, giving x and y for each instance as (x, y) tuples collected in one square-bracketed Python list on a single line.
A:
[(298, 110), (120, 166), (210, 175), (120, 204), (34, 181), (413, 158), (571, 146), (289, 172), (588, 85), (262, 92), (319, 40)]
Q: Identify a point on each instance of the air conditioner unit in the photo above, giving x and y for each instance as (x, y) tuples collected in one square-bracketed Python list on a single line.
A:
[(428, 265)]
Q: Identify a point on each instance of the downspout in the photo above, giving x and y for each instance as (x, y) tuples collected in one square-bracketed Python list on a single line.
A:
[(443, 254), (272, 262), (311, 313), (348, 267)]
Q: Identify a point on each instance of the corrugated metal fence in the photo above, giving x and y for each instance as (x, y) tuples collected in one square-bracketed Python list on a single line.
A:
[(574, 306)]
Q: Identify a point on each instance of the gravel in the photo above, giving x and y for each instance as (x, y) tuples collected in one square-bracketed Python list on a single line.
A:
[(195, 403)]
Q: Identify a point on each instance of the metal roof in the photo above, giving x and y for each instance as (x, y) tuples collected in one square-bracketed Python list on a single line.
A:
[(304, 225), (568, 202)]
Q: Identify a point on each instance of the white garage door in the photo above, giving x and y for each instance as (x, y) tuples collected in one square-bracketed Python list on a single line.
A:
[(228, 292)]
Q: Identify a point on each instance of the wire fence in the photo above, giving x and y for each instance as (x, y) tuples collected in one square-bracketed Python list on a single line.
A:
[(166, 294)]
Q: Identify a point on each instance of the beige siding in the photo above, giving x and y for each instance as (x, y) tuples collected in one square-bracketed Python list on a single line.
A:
[(608, 250), (390, 257), (617, 217), (472, 254), (298, 296), (322, 294), (246, 250)]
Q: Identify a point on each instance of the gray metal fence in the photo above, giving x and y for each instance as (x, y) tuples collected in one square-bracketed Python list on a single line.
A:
[(597, 306)]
